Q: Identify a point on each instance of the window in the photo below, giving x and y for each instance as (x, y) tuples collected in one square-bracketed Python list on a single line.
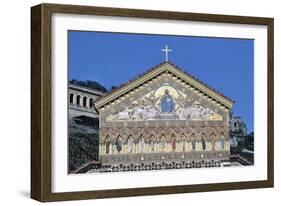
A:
[(107, 145), (71, 98), (78, 99), (193, 145), (84, 101), (130, 143), (91, 102), (203, 143), (118, 144), (141, 144)]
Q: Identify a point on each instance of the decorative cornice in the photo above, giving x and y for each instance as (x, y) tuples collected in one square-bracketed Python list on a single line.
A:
[(88, 90), (156, 70)]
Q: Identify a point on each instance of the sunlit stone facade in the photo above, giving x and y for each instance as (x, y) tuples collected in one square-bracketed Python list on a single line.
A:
[(163, 119)]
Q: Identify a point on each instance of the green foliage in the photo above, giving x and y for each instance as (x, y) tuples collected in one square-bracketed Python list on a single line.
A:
[(249, 141), (82, 148), (113, 87), (90, 84)]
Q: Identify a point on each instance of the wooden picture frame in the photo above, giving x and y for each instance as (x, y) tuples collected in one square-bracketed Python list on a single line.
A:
[(41, 98)]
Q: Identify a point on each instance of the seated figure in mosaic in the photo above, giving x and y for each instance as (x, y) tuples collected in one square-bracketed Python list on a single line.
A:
[(167, 102)]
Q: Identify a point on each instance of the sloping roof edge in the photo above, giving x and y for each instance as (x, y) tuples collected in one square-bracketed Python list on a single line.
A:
[(102, 100)]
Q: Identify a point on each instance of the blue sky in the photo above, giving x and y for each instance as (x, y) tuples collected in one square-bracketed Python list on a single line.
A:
[(113, 58)]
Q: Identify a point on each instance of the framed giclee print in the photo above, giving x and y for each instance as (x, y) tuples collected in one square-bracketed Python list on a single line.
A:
[(132, 102)]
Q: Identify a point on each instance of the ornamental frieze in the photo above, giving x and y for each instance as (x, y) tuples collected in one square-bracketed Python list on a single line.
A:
[(180, 133), (164, 100)]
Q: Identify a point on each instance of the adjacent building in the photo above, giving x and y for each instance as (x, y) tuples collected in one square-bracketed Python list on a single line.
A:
[(81, 108), (237, 130)]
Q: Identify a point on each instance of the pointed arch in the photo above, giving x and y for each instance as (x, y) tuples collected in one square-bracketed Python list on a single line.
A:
[(183, 137), (152, 138), (162, 142), (130, 142), (118, 144), (213, 141), (163, 137), (173, 141), (173, 136), (203, 141), (151, 142), (193, 142), (183, 140), (141, 144), (107, 144), (222, 141)]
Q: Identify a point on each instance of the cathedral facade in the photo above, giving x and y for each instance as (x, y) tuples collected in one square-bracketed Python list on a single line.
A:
[(165, 118)]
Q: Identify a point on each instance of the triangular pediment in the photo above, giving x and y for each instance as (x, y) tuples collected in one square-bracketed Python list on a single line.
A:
[(165, 74)]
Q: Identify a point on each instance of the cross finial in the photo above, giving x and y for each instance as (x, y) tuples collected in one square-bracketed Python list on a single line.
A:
[(166, 50)]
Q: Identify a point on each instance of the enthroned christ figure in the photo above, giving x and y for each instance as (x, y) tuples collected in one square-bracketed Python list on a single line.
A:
[(167, 102)]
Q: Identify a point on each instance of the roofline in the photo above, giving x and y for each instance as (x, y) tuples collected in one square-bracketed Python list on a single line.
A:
[(157, 69), (85, 89)]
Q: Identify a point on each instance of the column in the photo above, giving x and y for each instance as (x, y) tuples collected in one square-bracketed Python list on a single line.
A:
[(168, 146), (100, 149), (149, 147), (196, 146), (134, 148), (208, 145), (137, 148), (74, 99), (157, 147), (125, 148), (88, 102), (187, 148), (182, 146), (227, 146), (114, 151), (200, 146), (217, 145), (110, 149)]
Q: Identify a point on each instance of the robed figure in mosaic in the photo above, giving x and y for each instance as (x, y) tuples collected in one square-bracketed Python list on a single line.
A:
[(167, 103)]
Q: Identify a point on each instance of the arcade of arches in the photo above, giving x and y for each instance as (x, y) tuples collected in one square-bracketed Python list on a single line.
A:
[(163, 119), (79, 100), (163, 144)]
